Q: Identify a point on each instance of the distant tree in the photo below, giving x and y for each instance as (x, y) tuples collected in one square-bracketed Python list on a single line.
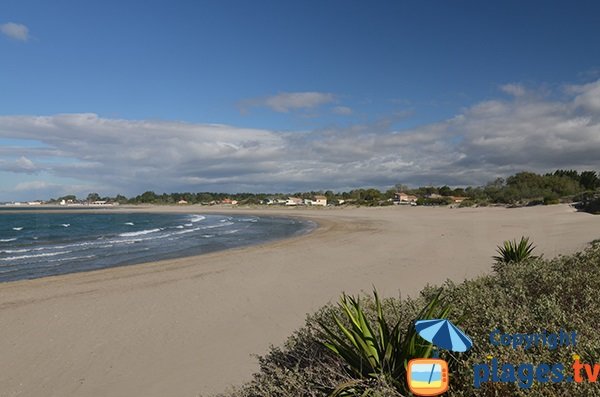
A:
[(68, 197), (93, 197), (459, 192), (390, 193), (148, 197), (589, 180), (445, 191), (573, 174), (400, 187), (120, 199)]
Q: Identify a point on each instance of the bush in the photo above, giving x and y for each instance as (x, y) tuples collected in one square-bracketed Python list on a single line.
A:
[(380, 350), (511, 251), (589, 202), (551, 199), (466, 203), (525, 297)]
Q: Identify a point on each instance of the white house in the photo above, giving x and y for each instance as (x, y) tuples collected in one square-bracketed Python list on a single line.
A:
[(320, 200), (294, 201), (403, 198)]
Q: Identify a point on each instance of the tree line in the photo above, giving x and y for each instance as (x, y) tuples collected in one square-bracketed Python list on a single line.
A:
[(519, 189)]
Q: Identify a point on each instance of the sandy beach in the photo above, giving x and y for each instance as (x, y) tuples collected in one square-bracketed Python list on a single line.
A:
[(189, 326)]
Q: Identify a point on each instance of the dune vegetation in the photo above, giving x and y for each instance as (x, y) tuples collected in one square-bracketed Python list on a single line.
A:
[(529, 295)]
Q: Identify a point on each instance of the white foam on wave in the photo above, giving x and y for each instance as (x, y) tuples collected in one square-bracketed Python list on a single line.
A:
[(187, 224), (188, 230), (253, 220), (218, 225), (230, 231), (7, 240), (18, 228), (179, 227), (197, 218), (129, 223), (70, 258), (16, 251), (14, 258), (140, 233), (65, 224)]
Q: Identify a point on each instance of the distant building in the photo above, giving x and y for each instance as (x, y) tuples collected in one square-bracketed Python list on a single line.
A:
[(320, 200), (229, 201), (34, 203), (458, 200), (403, 198), (182, 202), (292, 201)]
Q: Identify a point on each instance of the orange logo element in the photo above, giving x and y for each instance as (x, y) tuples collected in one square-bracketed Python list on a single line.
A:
[(427, 376)]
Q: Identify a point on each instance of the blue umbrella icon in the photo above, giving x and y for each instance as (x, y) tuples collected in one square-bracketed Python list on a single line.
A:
[(443, 334)]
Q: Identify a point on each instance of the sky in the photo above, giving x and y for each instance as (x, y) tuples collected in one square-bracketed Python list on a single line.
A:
[(121, 97)]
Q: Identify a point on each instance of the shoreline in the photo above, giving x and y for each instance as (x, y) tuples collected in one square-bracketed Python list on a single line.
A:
[(308, 227), (190, 325)]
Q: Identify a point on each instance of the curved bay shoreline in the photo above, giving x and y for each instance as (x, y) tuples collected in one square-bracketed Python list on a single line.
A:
[(187, 326)]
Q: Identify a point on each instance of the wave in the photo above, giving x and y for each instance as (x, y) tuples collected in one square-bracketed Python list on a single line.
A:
[(65, 224), (230, 231), (14, 258), (188, 231), (187, 224), (18, 228), (218, 225), (179, 227), (140, 233), (129, 223), (15, 251), (69, 258), (7, 240), (253, 220), (197, 218)]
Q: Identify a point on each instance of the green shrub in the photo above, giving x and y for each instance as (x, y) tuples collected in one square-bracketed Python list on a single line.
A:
[(466, 203), (526, 297), (551, 200), (383, 354), (511, 251)]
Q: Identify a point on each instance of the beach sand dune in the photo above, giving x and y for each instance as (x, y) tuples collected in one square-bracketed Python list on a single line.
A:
[(189, 326)]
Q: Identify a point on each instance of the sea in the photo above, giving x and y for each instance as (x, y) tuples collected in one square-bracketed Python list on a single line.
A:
[(34, 244)]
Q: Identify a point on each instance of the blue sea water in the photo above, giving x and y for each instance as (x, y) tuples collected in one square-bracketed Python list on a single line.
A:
[(36, 245)]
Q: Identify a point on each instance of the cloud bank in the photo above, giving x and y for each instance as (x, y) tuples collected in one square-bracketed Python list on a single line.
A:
[(15, 31), (287, 101), (490, 139)]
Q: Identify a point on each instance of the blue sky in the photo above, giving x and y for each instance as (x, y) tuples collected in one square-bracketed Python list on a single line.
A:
[(285, 96)]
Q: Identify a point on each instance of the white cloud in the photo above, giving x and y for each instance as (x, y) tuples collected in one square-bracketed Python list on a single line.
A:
[(516, 90), (490, 139), (32, 186), (588, 96), (286, 101), (342, 110), (20, 165), (15, 31)]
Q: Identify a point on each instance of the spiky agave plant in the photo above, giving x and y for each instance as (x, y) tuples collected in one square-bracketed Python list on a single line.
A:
[(381, 354), (513, 251)]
